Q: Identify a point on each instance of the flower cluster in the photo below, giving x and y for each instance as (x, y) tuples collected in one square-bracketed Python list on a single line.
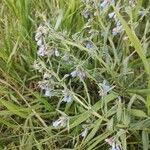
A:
[(118, 29), (39, 38), (78, 73)]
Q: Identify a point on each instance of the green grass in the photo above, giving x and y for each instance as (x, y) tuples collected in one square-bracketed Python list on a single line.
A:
[(27, 116)]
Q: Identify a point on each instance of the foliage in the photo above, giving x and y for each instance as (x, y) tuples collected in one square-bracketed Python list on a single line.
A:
[(74, 74)]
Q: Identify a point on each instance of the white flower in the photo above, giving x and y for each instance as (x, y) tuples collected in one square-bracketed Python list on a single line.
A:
[(39, 42), (67, 96), (106, 3), (113, 144), (117, 30), (40, 32), (115, 147), (110, 141), (111, 15), (56, 53), (47, 75), (105, 88), (42, 51), (61, 122), (73, 74), (48, 93), (84, 133), (78, 73)]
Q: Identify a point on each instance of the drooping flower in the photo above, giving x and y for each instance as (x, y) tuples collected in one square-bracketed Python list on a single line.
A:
[(61, 122)]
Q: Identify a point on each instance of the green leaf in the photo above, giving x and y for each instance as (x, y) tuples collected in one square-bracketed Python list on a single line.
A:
[(145, 140), (18, 110), (98, 139), (81, 118), (96, 126), (138, 113)]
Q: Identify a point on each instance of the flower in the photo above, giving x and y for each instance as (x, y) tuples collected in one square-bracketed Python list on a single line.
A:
[(42, 51), (41, 31), (117, 30), (106, 3), (78, 73), (84, 133), (111, 15), (61, 122), (47, 87), (48, 93), (40, 42), (67, 96), (113, 144), (55, 52), (110, 141), (73, 74), (89, 45), (47, 75), (86, 13), (105, 88)]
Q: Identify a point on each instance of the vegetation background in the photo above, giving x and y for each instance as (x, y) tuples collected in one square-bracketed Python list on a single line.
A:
[(26, 115)]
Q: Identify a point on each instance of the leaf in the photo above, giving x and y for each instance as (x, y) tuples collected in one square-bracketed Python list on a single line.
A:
[(97, 124), (98, 139), (79, 120), (59, 20), (145, 140), (18, 110), (8, 124), (134, 40), (138, 113)]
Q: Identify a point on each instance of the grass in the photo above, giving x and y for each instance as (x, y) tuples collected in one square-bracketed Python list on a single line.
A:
[(27, 116)]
